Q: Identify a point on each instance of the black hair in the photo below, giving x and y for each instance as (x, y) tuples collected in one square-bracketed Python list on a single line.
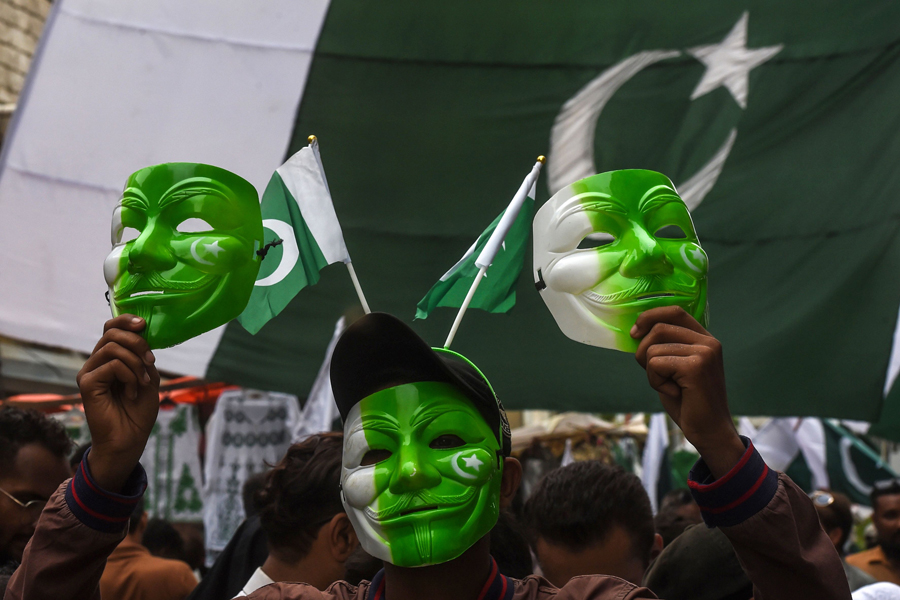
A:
[(20, 427), (78, 455), (838, 514), (509, 547), (301, 494), (578, 505), (890, 487), (163, 540), (251, 487)]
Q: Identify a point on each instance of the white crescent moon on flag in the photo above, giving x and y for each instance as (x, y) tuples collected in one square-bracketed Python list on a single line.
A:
[(289, 253), (455, 463), (571, 155)]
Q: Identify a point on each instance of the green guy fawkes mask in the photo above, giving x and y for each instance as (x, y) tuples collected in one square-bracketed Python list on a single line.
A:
[(421, 474), (184, 257), (609, 247)]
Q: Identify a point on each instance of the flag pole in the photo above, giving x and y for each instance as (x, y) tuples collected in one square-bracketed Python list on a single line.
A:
[(486, 257), (465, 305), (314, 144), (359, 292)]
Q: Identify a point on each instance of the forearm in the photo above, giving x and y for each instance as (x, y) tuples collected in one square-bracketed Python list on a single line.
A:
[(774, 529), (79, 528)]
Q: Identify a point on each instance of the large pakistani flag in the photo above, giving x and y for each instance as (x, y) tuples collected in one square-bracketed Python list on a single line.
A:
[(776, 120)]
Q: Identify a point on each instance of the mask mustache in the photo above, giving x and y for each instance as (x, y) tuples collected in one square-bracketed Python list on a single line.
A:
[(156, 281), (421, 499), (646, 285)]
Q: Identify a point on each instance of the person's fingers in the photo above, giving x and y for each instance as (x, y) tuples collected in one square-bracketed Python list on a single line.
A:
[(666, 333), (124, 321), (154, 374), (662, 372), (127, 339), (674, 315), (113, 351), (115, 372)]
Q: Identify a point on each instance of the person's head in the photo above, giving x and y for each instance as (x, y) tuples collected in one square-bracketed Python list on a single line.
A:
[(835, 515), (677, 511), (33, 462), (300, 509), (700, 564), (162, 539), (137, 522), (249, 490), (590, 518), (78, 455), (885, 498), (426, 445)]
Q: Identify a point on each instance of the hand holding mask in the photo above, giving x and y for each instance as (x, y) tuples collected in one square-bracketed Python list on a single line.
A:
[(185, 239), (609, 247)]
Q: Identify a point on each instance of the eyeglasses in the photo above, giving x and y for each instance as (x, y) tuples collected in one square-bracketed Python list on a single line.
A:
[(821, 498), (33, 506)]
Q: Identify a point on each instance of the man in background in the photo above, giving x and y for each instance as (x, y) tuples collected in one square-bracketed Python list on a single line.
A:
[(308, 533), (589, 518), (33, 463), (132, 573)]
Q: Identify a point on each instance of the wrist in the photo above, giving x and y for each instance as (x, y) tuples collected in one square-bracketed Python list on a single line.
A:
[(721, 453), (110, 471)]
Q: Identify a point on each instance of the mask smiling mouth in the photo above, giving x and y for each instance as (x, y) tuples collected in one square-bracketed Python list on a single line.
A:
[(419, 502), (647, 288), (153, 284)]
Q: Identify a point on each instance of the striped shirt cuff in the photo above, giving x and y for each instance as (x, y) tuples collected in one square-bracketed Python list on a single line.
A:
[(741, 493), (99, 509)]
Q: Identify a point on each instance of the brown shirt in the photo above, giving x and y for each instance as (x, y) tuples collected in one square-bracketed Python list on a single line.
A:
[(875, 563), (132, 573)]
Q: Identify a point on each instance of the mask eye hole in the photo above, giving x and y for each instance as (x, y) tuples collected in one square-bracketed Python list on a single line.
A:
[(596, 240), (446, 442), (193, 225), (670, 232), (373, 457), (129, 234)]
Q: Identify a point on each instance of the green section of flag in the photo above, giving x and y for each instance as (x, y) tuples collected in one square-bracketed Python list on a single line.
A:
[(852, 466), (268, 301), (426, 129), (497, 291)]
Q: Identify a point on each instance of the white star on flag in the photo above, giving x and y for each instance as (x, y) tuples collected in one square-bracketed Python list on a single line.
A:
[(729, 62), (213, 248), (472, 462)]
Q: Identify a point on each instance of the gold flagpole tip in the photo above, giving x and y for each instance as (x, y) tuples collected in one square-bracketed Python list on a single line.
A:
[(541, 159), (311, 139)]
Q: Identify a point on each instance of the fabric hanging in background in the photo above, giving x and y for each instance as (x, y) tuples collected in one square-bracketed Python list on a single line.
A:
[(172, 461), (248, 431), (320, 409), (76, 425), (654, 460)]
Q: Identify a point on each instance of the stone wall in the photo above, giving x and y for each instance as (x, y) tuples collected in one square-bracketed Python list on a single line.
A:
[(21, 23)]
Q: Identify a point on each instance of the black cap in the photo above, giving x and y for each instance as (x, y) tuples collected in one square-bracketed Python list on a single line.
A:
[(380, 351)]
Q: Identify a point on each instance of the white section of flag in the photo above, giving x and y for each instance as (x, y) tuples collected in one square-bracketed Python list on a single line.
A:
[(654, 451), (305, 180), (117, 86), (320, 409)]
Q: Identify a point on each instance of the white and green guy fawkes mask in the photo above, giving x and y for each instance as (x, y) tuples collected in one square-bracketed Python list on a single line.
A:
[(609, 247), (184, 254), (421, 473)]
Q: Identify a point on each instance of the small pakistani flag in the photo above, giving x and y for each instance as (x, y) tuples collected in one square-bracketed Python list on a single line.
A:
[(497, 293), (297, 209)]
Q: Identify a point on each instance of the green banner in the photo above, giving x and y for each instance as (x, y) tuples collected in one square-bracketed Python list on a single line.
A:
[(776, 120)]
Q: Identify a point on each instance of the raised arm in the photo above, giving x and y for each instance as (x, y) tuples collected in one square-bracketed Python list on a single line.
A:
[(771, 523), (88, 515)]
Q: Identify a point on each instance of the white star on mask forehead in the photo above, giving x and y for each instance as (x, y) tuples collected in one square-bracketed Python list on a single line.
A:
[(729, 63), (472, 462), (213, 248), (697, 253)]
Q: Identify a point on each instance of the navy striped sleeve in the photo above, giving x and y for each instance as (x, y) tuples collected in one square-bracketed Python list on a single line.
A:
[(741, 493), (99, 509)]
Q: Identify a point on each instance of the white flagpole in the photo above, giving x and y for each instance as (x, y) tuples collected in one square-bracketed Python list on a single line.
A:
[(314, 144), (490, 250)]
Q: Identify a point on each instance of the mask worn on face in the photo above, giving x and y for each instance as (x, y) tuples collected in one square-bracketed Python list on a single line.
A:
[(185, 238), (421, 474), (609, 247)]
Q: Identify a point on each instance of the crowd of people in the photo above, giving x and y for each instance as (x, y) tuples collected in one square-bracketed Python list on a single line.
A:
[(418, 497)]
